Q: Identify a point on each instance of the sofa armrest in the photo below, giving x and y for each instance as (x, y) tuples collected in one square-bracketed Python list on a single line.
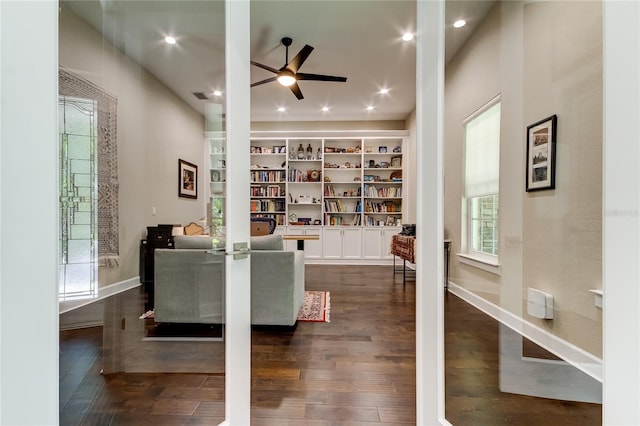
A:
[(189, 286), (277, 286)]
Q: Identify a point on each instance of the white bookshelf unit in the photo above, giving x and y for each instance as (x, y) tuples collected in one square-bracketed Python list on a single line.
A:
[(345, 186)]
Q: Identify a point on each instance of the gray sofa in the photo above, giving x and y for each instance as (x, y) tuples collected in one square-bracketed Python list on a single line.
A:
[(189, 281)]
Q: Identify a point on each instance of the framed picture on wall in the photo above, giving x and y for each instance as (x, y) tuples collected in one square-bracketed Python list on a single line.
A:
[(541, 154), (187, 179)]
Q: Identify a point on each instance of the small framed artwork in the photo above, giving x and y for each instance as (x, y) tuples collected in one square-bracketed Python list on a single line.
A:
[(396, 161), (215, 176), (187, 179), (541, 154), (382, 150)]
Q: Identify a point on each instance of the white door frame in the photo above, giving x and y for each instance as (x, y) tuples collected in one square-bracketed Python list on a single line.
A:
[(238, 272)]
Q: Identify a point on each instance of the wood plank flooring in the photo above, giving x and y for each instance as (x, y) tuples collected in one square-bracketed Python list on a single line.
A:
[(359, 369)]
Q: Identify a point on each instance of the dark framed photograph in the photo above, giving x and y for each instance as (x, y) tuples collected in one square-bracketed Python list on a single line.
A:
[(187, 179), (541, 154), (382, 150), (215, 176)]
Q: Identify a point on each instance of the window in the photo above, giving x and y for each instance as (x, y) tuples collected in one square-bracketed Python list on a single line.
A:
[(481, 173)]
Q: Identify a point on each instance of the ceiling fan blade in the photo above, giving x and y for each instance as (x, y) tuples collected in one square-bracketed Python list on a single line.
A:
[(264, 67), (296, 91), (297, 62), (319, 77), (268, 80)]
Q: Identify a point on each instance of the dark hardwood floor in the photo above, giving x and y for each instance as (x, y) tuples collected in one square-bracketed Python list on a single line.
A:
[(359, 369)]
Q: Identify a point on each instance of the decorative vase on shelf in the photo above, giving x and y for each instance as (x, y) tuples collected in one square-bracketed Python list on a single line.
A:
[(309, 152), (300, 152)]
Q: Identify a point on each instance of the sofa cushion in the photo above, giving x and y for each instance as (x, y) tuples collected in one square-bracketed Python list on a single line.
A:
[(197, 242), (267, 242)]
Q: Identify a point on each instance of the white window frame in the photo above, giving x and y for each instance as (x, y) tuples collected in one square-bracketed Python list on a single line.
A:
[(469, 256)]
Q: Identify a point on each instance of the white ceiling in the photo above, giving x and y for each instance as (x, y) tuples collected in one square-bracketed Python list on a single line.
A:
[(358, 39)]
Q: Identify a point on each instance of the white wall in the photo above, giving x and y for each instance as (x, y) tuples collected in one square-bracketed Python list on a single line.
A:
[(155, 129), (544, 58)]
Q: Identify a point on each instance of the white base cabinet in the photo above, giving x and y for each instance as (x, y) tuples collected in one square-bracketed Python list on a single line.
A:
[(342, 243), (376, 242)]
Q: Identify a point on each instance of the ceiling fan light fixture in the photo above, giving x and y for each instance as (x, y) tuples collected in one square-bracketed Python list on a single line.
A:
[(286, 79)]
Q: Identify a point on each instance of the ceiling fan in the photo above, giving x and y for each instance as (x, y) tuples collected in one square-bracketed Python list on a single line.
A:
[(288, 75)]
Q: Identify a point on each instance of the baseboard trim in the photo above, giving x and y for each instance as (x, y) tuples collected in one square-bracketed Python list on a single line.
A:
[(103, 293), (579, 358)]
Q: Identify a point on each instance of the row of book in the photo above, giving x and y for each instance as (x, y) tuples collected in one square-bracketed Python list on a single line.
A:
[(386, 207), (268, 205), (336, 206), (382, 192), (335, 220), (267, 191), (374, 221), (268, 176)]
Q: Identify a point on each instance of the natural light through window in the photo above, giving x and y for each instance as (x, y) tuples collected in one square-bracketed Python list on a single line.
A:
[(481, 189)]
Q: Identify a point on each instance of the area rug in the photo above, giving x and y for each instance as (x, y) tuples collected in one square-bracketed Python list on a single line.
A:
[(315, 307)]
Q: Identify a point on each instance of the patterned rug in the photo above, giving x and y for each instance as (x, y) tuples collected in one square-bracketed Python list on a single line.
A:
[(315, 307)]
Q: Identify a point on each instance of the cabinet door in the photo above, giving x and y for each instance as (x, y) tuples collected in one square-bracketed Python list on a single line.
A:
[(351, 243), (372, 243), (332, 243), (387, 235), (313, 248)]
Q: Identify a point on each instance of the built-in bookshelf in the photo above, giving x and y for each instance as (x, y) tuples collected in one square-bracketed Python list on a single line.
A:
[(328, 181), (269, 179)]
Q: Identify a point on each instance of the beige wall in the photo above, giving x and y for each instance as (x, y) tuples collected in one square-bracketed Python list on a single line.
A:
[(155, 129), (543, 58)]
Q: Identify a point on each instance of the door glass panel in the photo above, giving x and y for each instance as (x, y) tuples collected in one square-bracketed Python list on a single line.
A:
[(523, 331), (78, 264), (159, 299)]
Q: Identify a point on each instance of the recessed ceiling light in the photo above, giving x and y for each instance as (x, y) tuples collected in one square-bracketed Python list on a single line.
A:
[(170, 40), (459, 23), (370, 108), (383, 91), (325, 108), (407, 36), (217, 93), (281, 109)]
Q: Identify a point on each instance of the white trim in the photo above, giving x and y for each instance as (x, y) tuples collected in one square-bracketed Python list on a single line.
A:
[(103, 292), (480, 263), (620, 217), (429, 208), (482, 109), (238, 272), (579, 358)]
